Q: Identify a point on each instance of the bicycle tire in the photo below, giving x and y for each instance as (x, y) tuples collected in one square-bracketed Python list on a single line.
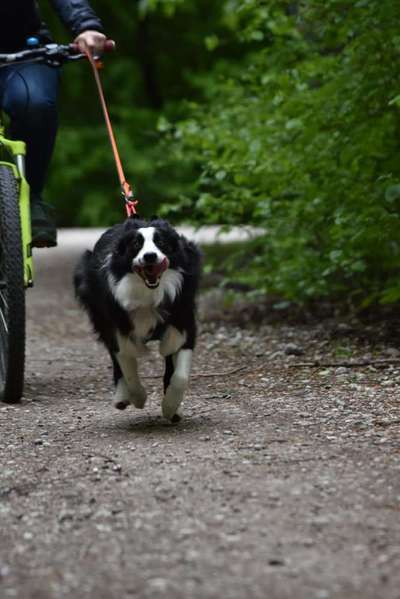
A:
[(12, 291)]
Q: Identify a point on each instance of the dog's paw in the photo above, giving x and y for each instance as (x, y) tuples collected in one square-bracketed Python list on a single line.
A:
[(170, 404), (124, 396), (120, 405), (121, 398), (176, 417), (138, 397)]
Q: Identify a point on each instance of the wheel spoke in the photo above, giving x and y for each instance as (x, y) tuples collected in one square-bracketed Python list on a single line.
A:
[(3, 368), (3, 339), (3, 323), (3, 312)]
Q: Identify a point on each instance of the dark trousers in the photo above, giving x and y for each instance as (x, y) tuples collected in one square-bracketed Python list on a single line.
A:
[(28, 94)]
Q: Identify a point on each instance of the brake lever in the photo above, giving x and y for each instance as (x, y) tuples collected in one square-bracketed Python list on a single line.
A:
[(76, 56)]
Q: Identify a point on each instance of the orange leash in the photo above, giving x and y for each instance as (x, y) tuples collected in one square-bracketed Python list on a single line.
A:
[(130, 203)]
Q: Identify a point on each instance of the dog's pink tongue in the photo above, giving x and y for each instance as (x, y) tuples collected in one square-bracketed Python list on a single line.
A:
[(153, 271), (156, 269)]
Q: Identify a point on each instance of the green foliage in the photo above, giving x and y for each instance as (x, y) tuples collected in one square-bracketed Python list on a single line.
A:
[(147, 76), (282, 114), (167, 6), (301, 138)]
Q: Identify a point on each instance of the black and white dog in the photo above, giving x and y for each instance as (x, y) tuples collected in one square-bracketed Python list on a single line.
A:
[(139, 285)]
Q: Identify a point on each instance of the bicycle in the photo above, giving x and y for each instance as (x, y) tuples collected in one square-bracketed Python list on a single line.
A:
[(16, 263)]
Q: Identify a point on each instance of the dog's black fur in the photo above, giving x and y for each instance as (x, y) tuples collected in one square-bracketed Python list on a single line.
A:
[(133, 295)]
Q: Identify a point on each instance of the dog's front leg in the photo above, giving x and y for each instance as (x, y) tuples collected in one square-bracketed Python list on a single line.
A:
[(176, 380), (128, 386)]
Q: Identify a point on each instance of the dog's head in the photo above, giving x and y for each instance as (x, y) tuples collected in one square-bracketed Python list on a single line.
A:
[(149, 249)]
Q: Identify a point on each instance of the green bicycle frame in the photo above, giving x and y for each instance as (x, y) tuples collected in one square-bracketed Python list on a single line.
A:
[(16, 150)]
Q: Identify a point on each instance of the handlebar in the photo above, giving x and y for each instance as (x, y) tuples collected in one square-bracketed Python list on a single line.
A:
[(51, 54), (109, 46)]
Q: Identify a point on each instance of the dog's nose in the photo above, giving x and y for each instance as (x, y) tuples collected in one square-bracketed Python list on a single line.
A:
[(149, 257)]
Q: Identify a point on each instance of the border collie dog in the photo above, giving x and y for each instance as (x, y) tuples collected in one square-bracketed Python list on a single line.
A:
[(139, 285)]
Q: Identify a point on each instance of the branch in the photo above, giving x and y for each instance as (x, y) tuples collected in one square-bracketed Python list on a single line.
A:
[(226, 373), (196, 375), (360, 364)]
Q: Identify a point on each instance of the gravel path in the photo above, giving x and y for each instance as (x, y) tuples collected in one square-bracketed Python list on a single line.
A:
[(280, 482)]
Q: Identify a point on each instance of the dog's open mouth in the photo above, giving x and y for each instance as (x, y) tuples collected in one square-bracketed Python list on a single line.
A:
[(151, 273)]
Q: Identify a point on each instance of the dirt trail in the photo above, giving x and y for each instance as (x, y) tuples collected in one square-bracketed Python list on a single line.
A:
[(280, 482)]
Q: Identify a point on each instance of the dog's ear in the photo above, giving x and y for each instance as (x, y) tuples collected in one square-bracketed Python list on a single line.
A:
[(134, 216)]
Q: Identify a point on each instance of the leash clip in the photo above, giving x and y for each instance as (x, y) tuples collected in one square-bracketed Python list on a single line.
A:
[(130, 206), (130, 202)]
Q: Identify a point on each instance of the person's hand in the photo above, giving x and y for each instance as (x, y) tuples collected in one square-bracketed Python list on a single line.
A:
[(93, 41)]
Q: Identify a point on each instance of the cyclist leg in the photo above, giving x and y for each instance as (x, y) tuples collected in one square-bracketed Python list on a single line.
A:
[(29, 96)]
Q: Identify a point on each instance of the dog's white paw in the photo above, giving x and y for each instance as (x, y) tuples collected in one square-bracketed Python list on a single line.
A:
[(138, 397), (121, 396), (124, 396), (171, 402), (177, 417)]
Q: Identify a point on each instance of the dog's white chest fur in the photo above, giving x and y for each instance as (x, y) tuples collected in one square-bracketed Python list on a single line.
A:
[(141, 302), (144, 321), (131, 293)]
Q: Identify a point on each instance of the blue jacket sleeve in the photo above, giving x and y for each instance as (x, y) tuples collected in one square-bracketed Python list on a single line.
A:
[(77, 15)]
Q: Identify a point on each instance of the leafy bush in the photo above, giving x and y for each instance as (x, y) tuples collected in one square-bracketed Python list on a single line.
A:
[(301, 137), (282, 114)]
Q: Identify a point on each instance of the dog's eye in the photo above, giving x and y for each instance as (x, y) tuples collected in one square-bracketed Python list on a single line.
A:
[(166, 245), (161, 243), (137, 243)]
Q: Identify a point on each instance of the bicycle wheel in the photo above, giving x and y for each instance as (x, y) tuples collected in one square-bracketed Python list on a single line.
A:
[(12, 292)]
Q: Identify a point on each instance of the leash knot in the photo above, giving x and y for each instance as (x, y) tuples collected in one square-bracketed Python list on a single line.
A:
[(130, 206)]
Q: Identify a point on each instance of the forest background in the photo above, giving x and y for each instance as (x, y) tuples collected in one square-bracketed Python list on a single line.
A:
[(283, 115)]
